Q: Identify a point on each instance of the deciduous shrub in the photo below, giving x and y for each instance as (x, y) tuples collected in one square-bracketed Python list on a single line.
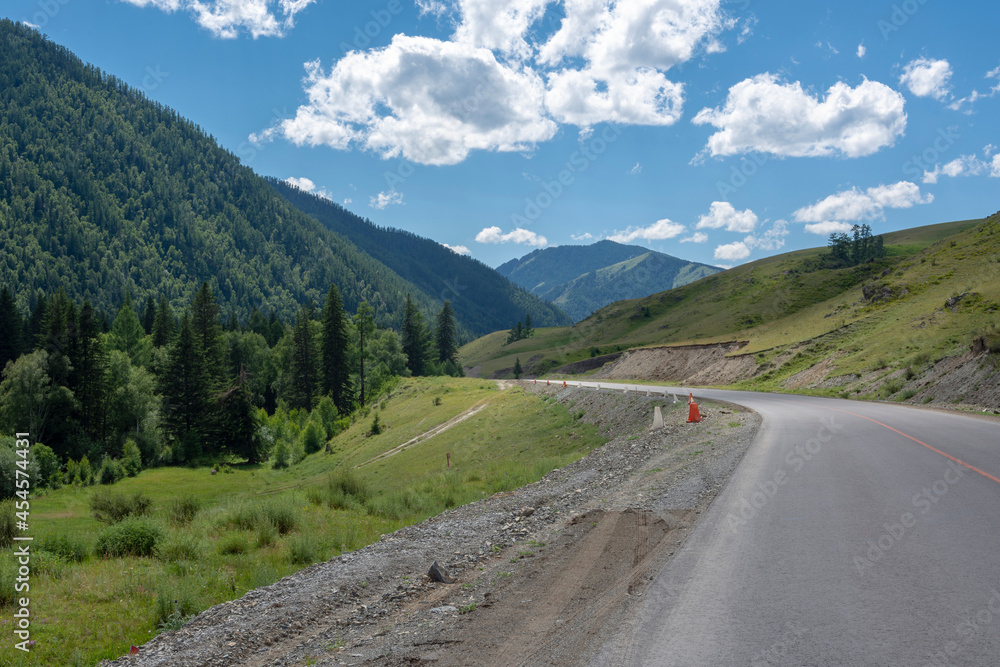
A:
[(130, 537), (112, 506)]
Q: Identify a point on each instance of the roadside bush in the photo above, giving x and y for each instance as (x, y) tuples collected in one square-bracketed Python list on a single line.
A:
[(251, 514), (8, 528), (233, 543), (267, 534), (313, 437), (303, 549), (346, 491), (280, 456), (48, 465), (182, 511), (112, 506), (130, 537), (71, 547), (177, 547), (131, 458), (175, 605), (111, 471)]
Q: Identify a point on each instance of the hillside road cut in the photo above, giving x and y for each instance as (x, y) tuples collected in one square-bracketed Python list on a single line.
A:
[(851, 533)]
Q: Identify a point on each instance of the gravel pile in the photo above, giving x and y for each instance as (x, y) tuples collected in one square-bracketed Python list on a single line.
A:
[(376, 605)]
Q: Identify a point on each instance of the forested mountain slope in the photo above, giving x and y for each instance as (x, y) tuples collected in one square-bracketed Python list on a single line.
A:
[(104, 192), (483, 300)]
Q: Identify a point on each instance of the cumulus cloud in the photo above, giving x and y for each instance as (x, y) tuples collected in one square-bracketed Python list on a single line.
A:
[(855, 205), (641, 97), (430, 101), (828, 227), (927, 78), (228, 18), (964, 165), (732, 251), (995, 166), (586, 236), (301, 183), (723, 214), (658, 231), (772, 239), (616, 36), (697, 237), (519, 236), (499, 25), (762, 114), (383, 199), (862, 50), (457, 249)]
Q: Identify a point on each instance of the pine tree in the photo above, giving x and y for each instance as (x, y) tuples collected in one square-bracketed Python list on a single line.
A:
[(208, 331), (148, 315), (89, 364), (304, 363), (238, 422), (528, 330), (185, 388), (336, 374), (163, 326), (447, 348), (414, 337), (35, 325), (11, 328), (128, 335), (517, 368), (364, 321)]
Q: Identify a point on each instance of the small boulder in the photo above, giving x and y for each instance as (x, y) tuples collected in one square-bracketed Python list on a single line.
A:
[(439, 574)]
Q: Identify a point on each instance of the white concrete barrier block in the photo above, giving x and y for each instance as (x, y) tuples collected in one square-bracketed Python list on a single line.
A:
[(657, 418)]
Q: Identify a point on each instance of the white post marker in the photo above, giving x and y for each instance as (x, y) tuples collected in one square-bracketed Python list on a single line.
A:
[(657, 418)]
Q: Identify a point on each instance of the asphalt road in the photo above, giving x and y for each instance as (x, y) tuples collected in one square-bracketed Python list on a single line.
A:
[(851, 534)]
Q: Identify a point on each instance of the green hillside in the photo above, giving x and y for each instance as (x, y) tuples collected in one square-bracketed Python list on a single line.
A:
[(875, 313), (104, 192), (483, 300), (581, 279)]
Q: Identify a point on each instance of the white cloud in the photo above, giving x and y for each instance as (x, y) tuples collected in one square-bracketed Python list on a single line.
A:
[(697, 237), (457, 249), (995, 166), (994, 74), (856, 205), (828, 227), (641, 97), (586, 236), (762, 114), (927, 78), (964, 165), (862, 50), (348, 200), (430, 101), (301, 183), (636, 170), (499, 25), (732, 251), (615, 36), (228, 18), (519, 236), (383, 199), (723, 214), (658, 231)]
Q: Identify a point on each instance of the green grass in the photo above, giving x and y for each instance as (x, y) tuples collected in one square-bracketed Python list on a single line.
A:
[(786, 304), (222, 535)]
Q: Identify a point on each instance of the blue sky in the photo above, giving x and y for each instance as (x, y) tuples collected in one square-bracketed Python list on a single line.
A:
[(720, 132)]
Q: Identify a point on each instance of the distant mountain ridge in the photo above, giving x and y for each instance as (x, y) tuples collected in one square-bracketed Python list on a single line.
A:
[(581, 279), (483, 299)]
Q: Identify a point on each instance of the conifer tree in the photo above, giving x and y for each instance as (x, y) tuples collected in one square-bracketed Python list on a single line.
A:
[(11, 328), (336, 374), (185, 387), (364, 321), (89, 364), (528, 330), (447, 347), (517, 368), (163, 326), (208, 331), (238, 422), (304, 363), (414, 338), (149, 315), (128, 335)]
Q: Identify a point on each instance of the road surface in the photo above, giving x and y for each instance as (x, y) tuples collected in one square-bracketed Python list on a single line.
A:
[(851, 534)]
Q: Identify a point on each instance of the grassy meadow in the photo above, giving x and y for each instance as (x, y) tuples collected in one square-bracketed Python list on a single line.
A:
[(211, 538)]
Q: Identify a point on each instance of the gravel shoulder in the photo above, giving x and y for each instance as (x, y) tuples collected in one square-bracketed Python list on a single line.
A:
[(542, 575)]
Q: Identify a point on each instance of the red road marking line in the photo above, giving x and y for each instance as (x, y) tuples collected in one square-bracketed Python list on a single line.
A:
[(919, 442)]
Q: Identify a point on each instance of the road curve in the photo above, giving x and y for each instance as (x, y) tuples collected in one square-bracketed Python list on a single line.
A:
[(851, 534)]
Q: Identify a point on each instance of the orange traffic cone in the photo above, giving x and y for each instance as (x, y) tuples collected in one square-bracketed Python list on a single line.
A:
[(690, 398), (564, 384), (536, 381), (694, 415), (546, 383)]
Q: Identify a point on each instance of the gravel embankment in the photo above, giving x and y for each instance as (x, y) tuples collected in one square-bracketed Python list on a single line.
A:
[(530, 565)]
